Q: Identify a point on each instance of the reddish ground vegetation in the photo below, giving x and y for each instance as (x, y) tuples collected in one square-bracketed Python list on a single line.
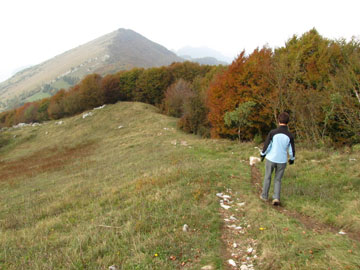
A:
[(44, 160)]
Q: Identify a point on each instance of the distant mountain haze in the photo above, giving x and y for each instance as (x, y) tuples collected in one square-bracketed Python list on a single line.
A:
[(204, 60), (203, 52), (122, 49)]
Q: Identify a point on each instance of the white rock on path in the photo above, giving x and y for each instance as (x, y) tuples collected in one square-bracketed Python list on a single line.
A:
[(244, 267), (223, 196), (254, 160), (219, 195), (185, 228), (226, 207), (207, 267), (232, 262)]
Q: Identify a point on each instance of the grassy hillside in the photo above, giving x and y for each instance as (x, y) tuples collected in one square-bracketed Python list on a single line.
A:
[(118, 186)]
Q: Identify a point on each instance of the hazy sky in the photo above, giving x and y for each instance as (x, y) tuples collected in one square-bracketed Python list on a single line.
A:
[(33, 31)]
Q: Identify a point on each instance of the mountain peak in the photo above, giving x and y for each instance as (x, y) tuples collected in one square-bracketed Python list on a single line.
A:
[(120, 50)]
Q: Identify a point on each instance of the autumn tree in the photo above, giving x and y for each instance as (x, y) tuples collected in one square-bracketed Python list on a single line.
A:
[(90, 92), (175, 97), (248, 78), (111, 89), (56, 106)]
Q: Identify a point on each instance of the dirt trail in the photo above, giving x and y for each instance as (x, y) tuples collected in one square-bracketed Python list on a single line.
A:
[(309, 222)]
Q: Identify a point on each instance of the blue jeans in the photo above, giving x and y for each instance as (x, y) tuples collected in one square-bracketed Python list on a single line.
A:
[(279, 172)]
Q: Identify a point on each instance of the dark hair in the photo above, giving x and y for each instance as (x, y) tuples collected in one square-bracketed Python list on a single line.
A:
[(283, 118)]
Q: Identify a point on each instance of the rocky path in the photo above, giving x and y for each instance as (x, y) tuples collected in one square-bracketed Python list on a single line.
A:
[(240, 250)]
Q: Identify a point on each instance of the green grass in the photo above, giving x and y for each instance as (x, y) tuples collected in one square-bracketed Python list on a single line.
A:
[(37, 96), (325, 184), (59, 84), (87, 195)]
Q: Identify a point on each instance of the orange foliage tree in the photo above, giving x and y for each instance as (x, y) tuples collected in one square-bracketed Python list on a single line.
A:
[(248, 78)]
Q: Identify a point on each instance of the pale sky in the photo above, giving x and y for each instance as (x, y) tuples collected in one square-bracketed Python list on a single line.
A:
[(33, 31)]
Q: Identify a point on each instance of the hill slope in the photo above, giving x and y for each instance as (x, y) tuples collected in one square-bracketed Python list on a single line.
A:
[(119, 50), (117, 187)]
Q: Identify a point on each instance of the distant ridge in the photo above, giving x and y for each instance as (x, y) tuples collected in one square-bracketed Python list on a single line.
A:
[(204, 60), (120, 50), (203, 52)]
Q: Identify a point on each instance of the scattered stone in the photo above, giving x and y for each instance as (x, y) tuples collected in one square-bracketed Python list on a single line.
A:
[(207, 267), (14, 136), (59, 123), (20, 125), (113, 267), (119, 127), (254, 160), (235, 245), (99, 108), (241, 204), (46, 133), (185, 228), (226, 207), (36, 125), (352, 159), (183, 143), (223, 196), (174, 142), (250, 250), (244, 267), (166, 128), (232, 262), (87, 115), (342, 232)]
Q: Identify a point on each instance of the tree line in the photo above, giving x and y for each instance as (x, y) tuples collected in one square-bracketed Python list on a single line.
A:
[(314, 79)]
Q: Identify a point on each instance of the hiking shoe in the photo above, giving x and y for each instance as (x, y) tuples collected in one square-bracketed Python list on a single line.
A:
[(276, 202), (263, 199)]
